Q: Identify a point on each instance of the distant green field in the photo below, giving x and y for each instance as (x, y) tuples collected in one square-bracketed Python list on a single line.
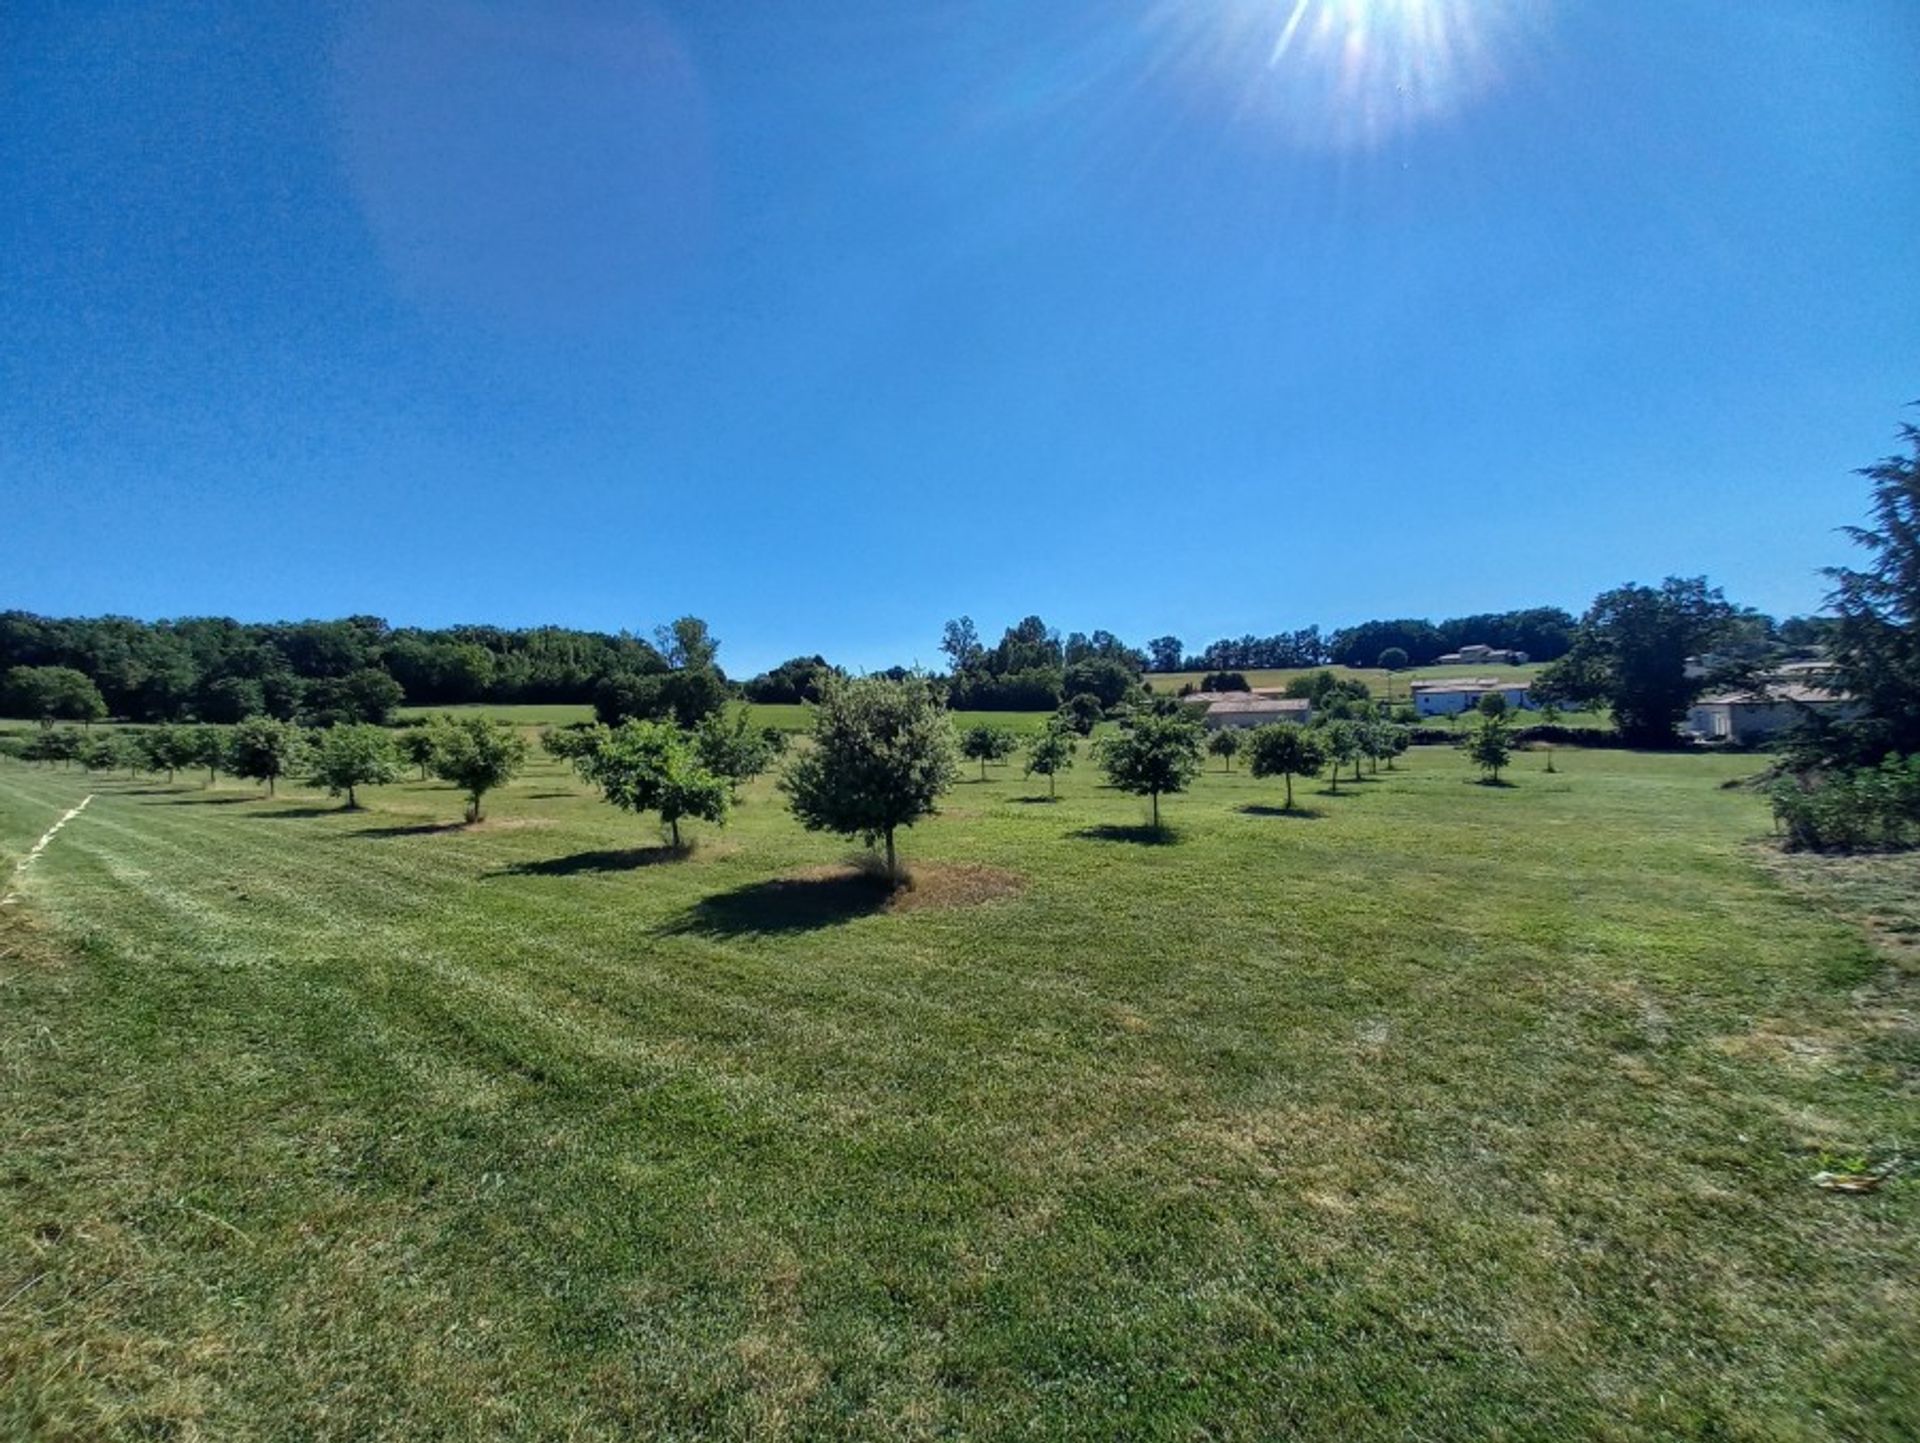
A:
[(1433, 1110)]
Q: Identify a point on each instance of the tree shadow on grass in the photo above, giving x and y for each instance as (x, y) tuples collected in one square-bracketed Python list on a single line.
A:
[(1035, 801), (412, 829), (612, 859), (786, 904), (1500, 782), (1304, 814), (288, 813), (1141, 835), (209, 801)]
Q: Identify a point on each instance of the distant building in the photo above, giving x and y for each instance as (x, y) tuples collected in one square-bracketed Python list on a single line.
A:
[(1249, 709), (1746, 717), (1449, 698), (1477, 655)]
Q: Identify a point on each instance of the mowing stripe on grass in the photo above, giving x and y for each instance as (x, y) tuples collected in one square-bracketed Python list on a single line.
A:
[(33, 855)]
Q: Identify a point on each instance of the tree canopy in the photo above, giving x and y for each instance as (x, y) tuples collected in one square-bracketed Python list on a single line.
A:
[(476, 754), (1631, 651), (1153, 752), (883, 753)]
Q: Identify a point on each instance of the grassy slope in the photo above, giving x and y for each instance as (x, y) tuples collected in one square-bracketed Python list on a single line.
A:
[(1447, 1112)]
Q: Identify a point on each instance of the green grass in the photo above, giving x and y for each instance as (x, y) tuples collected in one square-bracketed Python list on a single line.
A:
[(1435, 1111)]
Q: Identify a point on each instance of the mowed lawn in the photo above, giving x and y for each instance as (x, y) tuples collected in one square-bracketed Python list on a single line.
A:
[(1442, 1112)]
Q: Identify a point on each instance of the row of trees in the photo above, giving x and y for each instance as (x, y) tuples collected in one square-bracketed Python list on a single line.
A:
[(474, 753), (215, 669)]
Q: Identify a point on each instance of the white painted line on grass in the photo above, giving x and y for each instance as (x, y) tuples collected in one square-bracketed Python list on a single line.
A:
[(39, 847)]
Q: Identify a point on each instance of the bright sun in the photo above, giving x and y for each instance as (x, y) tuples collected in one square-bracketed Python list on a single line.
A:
[(1349, 74)]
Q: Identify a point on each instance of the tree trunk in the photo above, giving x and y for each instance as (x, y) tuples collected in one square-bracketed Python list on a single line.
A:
[(893, 862), (352, 805), (1289, 791), (1052, 794), (983, 769), (473, 807), (1156, 811), (673, 823)]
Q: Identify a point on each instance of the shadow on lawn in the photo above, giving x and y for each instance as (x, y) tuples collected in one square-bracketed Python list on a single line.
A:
[(1141, 835), (287, 813), (210, 801), (1035, 801), (1304, 814), (612, 859), (786, 904), (412, 829)]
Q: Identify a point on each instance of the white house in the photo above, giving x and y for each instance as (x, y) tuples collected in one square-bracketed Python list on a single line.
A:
[(1450, 698), (1745, 717)]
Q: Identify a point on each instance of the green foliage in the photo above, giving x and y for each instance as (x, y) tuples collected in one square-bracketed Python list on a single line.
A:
[(167, 748), (882, 755), (1631, 651), (789, 683), (262, 749), (1849, 809), (569, 743), (731, 747), (985, 744), (1224, 681), (1875, 642), (1284, 749), (1339, 745), (1490, 745), (651, 766), (1051, 752), (1493, 703), (48, 694), (367, 696), (415, 747), (350, 755), (1082, 712), (1394, 658), (1154, 752), (107, 751), (1225, 744), (1109, 678), (209, 749), (476, 754)]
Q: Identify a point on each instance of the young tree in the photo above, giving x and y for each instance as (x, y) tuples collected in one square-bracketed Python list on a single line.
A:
[(987, 744), (63, 744), (569, 743), (1283, 749), (1083, 712), (350, 755), (1339, 744), (882, 755), (650, 766), (1492, 703), (1491, 745), (105, 752), (167, 748), (1225, 744), (264, 750), (415, 746), (1051, 752), (1154, 752), (1876, 641), (209, 749), (476, 754), (731, 748)]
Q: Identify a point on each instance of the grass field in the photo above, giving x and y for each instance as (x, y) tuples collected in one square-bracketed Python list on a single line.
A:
[(1435, 1111)]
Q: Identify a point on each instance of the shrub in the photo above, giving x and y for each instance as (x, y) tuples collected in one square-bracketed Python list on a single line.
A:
[(1849, 809)]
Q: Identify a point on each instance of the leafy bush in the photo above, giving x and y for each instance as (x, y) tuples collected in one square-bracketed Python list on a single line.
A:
[(1849, 809)]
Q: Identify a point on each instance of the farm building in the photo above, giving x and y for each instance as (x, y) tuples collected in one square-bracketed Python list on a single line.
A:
[(1449, 698), (1477, 654), (1746, 717), (1249, 709)]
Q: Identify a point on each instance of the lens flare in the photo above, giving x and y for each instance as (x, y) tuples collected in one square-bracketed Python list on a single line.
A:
[(1345, 74)]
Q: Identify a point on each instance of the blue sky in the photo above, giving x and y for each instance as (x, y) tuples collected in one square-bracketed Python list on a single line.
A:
[(829, 321)]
